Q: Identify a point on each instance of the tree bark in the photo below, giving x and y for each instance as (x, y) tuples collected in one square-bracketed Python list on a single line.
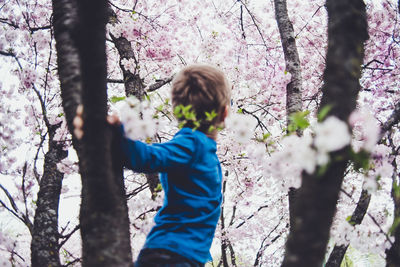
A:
[(79, 28), (45, 235), (338, 252), (292, 61), (316, 203), (134, 86), (393, 253), (132, 81), (392, 120)]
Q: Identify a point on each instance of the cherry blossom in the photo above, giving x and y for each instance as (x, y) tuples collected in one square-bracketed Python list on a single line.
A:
[(259, 162)]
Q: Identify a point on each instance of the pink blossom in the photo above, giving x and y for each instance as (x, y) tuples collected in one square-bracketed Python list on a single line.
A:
[(151, 53)]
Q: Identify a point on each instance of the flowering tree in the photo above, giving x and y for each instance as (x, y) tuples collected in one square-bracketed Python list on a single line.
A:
[(146, 43), (341, 86), (103, 216)]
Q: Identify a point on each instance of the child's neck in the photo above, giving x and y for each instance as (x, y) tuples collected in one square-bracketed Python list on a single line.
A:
[(213, 135)]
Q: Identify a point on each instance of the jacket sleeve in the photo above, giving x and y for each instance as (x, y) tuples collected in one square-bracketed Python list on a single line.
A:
[(142, 157)]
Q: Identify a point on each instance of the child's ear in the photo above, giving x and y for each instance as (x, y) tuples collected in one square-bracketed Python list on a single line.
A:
[(225, 113)]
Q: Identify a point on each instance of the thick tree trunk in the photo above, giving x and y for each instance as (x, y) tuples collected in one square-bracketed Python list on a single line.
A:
[(316, 203), (292, 61), (79, 28), (45, 235)]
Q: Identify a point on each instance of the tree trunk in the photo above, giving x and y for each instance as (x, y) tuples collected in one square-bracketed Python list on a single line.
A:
[(393, 254), (79, 28), (315, 206), (134, 87), (292, 61), (45, 235), (132, 81), (293, 88)]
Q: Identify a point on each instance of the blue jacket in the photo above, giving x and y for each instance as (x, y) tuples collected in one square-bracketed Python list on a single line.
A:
[(191, 178)]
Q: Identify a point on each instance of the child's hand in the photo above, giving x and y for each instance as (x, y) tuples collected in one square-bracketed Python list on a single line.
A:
[(113, 120), (78, 122)]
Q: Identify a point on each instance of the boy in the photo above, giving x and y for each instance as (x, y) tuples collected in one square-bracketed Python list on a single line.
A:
[(190, 171)]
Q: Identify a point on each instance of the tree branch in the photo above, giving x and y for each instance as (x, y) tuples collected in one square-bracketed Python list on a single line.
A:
[(158, 84), (15, 211), (393, 120)]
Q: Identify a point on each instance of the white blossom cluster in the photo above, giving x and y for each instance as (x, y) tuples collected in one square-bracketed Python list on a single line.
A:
[(365, 130), (361, 237), (294, 154), (307, 152), (6, 245), (67, 166), (138, 119), (242, 126), (129, 64)]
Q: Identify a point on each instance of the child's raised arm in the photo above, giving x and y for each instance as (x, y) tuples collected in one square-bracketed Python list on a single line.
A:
[(142, 157)]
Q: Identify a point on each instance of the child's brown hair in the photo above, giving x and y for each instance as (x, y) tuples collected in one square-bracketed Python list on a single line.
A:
[(205, 89)]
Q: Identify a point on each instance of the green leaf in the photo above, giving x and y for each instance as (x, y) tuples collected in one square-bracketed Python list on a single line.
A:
[(347, 262), (360, 160), (178, 111), (190, 115), (324, 112), (115, 99), (211, 128), (210, 116), (292, 128), (394, 226), (298, 120), (160, 107), (181, 124), (196, 125), (264, 137), (322, 170), (158, 188), (396, 190), (348, 219), (185, 109)]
